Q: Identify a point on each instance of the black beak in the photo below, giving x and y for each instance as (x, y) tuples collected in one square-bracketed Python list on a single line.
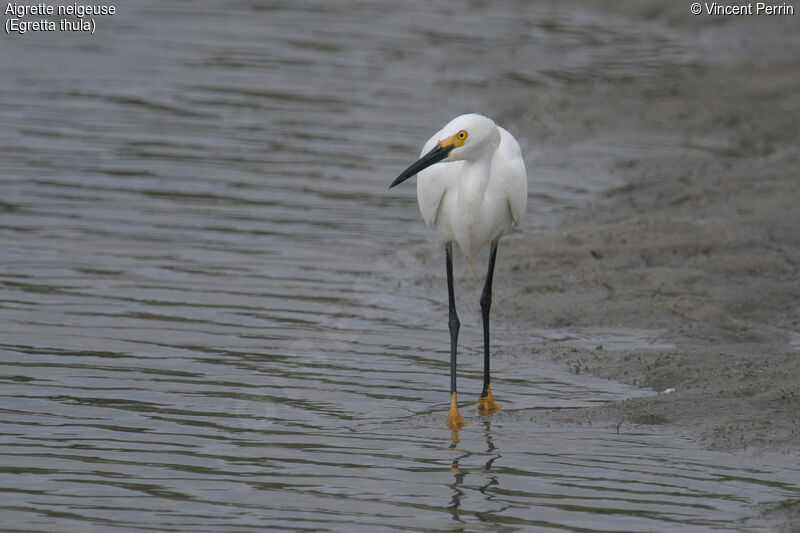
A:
[(434, 156)]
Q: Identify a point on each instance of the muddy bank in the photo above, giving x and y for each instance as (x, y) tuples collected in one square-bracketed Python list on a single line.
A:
[(699, 244)]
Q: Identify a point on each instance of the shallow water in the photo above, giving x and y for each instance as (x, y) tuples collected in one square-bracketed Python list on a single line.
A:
[(213, 317)]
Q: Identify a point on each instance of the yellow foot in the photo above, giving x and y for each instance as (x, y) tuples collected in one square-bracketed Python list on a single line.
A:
[(454, 420), (487, 405)]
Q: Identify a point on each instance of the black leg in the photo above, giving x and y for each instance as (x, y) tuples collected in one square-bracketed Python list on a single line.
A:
[(453, 321), (486, 305), (454, 420), (487, 404)]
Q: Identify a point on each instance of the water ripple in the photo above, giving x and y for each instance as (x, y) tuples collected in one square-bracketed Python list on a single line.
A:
[(213, 318)]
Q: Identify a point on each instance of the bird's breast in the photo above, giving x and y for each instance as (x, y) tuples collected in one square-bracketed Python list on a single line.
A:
[(480, 221)]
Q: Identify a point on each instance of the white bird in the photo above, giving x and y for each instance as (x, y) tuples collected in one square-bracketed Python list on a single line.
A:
[(473, 187)]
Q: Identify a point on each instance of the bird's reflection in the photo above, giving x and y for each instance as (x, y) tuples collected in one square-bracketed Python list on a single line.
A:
[(453, 439), (458, 478), (487, 434), (491, 479)]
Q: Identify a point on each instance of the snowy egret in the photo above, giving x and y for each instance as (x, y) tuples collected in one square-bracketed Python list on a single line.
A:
[(472, 186)]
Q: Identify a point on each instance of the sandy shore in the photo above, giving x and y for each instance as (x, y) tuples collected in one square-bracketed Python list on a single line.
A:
[(700, 245)]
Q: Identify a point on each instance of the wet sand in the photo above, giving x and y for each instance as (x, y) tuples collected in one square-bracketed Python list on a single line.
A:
[(699, 245)]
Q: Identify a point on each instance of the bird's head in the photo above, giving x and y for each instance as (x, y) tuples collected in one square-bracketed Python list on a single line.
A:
[(465, 138)]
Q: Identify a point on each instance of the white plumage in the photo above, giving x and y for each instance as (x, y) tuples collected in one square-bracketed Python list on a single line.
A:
[(480, 190)]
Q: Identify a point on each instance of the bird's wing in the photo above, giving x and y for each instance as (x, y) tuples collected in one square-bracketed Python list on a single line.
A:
[(434, 182), (507, 162)]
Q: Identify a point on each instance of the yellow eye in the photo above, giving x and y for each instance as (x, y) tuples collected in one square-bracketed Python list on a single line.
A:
[(462, 135)]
